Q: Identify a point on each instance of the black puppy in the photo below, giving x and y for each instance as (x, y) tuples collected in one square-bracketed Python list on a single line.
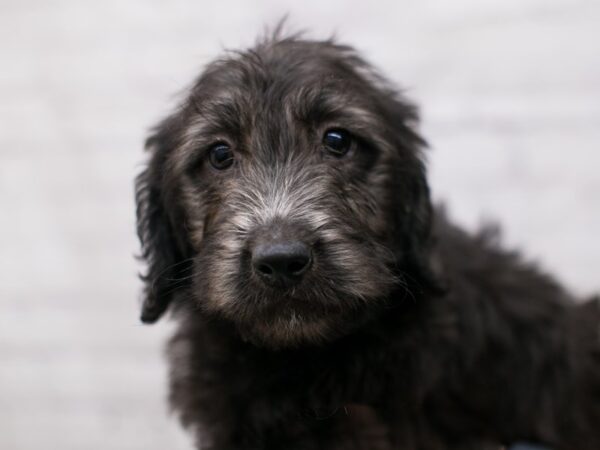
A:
[(322, 303)]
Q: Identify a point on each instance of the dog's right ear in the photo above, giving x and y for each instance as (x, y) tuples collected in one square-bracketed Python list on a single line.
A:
[(161, 249)]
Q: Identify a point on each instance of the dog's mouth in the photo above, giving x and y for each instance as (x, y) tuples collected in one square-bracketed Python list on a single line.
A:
[(287, 285), (312, 308)]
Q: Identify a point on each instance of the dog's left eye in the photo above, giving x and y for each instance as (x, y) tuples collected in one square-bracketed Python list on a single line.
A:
[(337, 141)]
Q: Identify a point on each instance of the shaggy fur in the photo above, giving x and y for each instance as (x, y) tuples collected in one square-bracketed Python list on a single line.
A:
[(406, 332)]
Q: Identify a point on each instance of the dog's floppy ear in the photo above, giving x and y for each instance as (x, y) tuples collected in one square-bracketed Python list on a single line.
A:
[(416, 219), (413, 203), (162, 249)]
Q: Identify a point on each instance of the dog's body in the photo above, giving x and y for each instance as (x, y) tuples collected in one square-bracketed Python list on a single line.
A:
[(323, 304)]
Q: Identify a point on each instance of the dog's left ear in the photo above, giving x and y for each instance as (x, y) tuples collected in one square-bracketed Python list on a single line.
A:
[(162, 248), (416, 219), (414, 211)]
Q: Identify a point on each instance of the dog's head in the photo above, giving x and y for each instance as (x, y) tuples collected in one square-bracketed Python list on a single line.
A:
[(286, 195)]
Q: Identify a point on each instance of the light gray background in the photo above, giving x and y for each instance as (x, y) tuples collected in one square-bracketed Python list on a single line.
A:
[(510, 94)]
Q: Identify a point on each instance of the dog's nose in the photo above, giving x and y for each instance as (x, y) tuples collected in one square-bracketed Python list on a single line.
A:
[(281, 263)]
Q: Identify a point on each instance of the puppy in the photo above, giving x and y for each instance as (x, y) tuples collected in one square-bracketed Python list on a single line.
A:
[(322, 302)]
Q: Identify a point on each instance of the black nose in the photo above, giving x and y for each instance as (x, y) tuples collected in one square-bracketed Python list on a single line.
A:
[(281, 263)]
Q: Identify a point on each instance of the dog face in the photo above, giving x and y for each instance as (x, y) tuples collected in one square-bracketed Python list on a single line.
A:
[(286, 195)]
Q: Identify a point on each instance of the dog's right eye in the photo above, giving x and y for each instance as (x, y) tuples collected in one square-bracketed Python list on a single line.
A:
[(220, 156)]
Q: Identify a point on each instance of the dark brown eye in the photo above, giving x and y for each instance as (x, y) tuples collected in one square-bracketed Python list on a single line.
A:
[(337, 141), (220, 156)]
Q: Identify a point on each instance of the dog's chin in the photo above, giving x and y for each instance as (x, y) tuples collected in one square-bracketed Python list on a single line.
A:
[(290, 327), (290, 332)]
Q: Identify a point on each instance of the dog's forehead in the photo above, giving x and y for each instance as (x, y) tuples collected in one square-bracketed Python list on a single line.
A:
[(298, 73)]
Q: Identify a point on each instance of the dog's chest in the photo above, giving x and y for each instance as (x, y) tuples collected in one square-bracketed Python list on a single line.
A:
[(359, 426)]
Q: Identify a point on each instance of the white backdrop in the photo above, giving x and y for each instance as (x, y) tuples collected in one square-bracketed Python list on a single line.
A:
[(510, 95)]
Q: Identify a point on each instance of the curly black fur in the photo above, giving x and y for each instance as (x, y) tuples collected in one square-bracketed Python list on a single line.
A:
[(407, 333)]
